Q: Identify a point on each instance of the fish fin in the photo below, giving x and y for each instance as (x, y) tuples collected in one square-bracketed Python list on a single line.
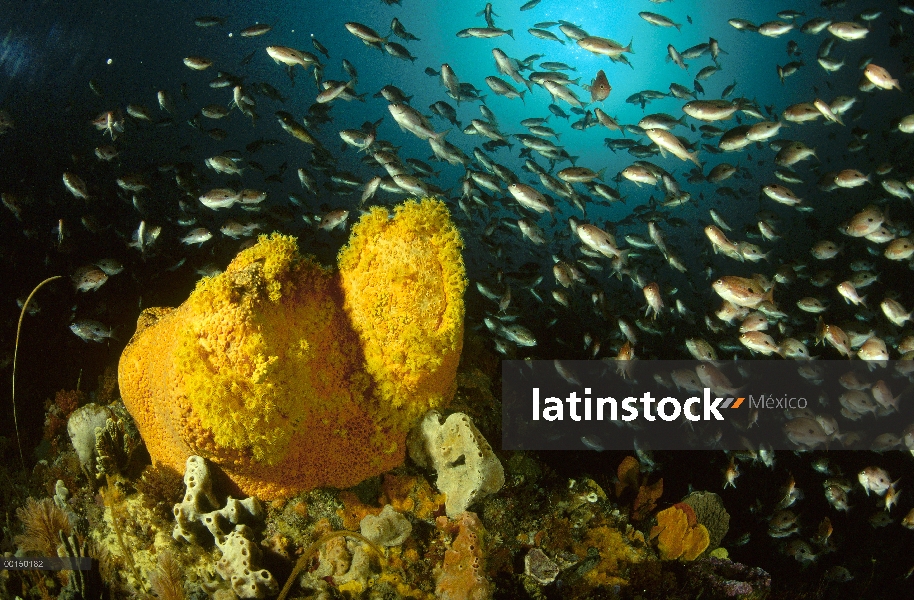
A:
[(769, 296)]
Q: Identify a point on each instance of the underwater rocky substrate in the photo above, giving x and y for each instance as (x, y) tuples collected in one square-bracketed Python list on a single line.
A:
[(392, 536)]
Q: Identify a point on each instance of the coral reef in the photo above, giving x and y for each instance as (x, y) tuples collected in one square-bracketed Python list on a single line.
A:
[(679, 534), (290, 377), (466, 466), (540, 537)]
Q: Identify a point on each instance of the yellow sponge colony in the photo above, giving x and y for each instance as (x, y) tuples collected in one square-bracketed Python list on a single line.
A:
[(403, 282), (290, 377)]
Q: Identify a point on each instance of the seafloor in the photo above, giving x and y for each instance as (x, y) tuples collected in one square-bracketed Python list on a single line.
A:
[(618, 534)]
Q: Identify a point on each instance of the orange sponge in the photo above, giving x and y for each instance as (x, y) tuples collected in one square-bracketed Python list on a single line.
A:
[(274, 371)]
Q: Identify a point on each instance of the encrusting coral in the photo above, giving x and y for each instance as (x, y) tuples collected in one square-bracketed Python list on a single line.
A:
[(290, 377)]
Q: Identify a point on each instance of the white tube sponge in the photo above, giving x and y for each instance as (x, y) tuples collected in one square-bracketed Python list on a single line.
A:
[(198, 500), (239, 553), (227, 527)]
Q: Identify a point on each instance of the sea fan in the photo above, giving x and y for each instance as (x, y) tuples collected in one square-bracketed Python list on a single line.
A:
[(43, 521)]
